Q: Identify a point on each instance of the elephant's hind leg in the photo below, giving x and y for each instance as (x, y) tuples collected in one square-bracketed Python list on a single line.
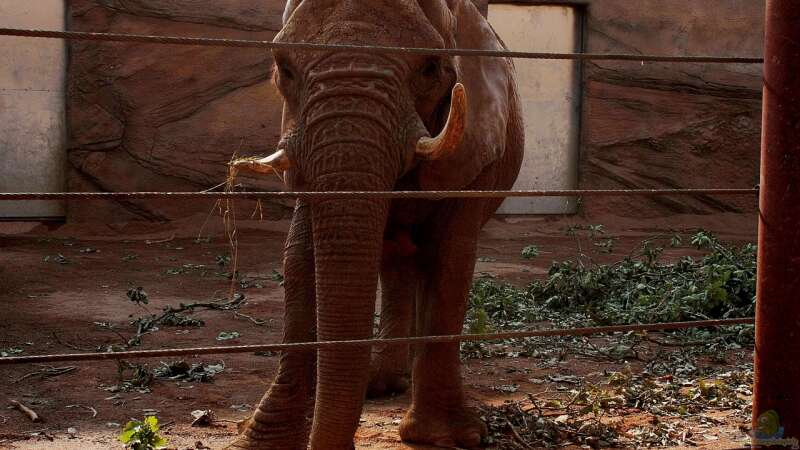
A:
[(391, 365), (282, 419)]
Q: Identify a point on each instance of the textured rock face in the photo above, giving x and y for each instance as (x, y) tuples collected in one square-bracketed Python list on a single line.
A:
[(157, 117), (161, 117), (671, 125)]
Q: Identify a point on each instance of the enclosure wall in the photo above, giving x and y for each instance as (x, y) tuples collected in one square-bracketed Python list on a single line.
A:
[(671, 125), (149, 117)]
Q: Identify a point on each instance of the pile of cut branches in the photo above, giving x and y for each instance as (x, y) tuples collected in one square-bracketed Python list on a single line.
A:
[(640, 288)]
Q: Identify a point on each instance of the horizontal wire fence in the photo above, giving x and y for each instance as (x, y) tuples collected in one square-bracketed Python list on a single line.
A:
[(215, 42), (308, 346), (9, 196), (328, 345)]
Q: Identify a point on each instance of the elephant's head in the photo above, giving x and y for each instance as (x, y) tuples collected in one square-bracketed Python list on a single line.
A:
[(361, 122)]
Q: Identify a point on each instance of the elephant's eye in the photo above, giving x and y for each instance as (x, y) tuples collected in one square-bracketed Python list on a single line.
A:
[(431, 68), (285, 73)]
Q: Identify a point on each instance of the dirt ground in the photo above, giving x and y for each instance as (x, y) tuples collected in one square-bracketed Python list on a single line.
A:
[(59, 285)]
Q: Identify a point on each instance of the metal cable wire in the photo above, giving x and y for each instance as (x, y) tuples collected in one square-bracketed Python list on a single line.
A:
[(306, 346), (216, 42), (436, 195)]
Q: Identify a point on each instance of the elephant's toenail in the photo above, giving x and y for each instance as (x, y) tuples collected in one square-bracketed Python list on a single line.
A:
[(473, 439), (446, 442)]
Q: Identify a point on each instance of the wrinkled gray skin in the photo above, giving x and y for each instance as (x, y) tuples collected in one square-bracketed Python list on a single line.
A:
[(352, 122)]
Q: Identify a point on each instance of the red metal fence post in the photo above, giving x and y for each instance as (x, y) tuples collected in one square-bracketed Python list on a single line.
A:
[(776, 397)]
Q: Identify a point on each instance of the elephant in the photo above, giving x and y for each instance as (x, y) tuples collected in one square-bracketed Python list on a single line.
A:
[(356, 121)]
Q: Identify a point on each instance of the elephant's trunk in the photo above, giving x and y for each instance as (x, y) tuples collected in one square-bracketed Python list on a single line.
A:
[(348, 237), (348, 146)]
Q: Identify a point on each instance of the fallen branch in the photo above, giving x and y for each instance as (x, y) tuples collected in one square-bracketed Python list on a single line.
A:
[(50, 372), (25, 410), (148, 324), (517, 436), (258, 322)]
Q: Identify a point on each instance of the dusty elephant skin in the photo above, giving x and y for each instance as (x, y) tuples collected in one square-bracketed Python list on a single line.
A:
[(370, 122)]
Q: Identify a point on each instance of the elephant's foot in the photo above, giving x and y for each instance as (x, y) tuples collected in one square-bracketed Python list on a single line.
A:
[(251, 439), (241, 443), (389, 372), (383, 383), (244, 441), (452, 427), (279, 422), (247, 443)]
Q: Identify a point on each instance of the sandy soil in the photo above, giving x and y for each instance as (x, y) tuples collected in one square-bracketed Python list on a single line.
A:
[(57, 283)]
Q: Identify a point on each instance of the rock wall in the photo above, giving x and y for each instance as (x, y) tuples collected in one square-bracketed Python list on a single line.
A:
[(162, 117), (156, 117), (678, 125)]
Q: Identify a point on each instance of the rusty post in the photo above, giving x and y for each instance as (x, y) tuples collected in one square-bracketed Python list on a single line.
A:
[(776, 396)]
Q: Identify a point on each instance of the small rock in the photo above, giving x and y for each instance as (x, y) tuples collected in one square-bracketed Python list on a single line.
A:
[(203, 418)]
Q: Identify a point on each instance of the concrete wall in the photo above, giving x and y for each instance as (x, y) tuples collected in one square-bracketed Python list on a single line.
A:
[(32, 120), (550, 95)]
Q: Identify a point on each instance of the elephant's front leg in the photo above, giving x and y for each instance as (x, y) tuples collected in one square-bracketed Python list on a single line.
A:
[(282, 419), (391, 365), (439, 414)]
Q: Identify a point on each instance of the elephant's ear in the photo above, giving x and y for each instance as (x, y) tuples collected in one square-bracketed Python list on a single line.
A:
[(483, 7), (490, 90)]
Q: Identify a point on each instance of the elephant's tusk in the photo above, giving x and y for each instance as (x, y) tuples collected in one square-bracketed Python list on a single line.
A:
[(276, 163), (448, 140)]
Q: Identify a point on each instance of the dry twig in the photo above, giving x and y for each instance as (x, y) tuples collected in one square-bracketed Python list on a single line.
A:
[(516, 435), (94, 411), (25, 410), (159, 241), (49, 372), (67, 344)]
